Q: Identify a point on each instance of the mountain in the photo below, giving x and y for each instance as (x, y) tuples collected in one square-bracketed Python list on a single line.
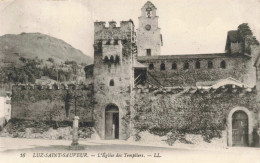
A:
[(41, 46)]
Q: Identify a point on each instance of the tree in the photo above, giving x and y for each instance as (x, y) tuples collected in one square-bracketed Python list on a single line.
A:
[(245, 31)]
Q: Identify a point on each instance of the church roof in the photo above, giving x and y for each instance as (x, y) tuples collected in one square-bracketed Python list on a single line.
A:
[(138, 64), (221, 83), (187, 56), (149, 4)]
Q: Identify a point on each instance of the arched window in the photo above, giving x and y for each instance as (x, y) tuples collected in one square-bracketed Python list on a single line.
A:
[(210, 64), (223, 64), (174, 66), (112, 59), (117, 60), (162, 66), (148, 12), (186, 65), (151, 66), (106, 60), (197, 65), (111, 83)]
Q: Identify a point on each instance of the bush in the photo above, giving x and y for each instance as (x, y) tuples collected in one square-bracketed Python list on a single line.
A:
[(159, 131), (210, 134), (173, 136)]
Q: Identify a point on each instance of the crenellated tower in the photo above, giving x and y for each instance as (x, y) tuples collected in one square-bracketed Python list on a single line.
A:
[(112, 72)]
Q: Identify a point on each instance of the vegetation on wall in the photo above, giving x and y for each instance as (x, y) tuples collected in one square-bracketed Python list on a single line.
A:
[(244, 31), (197, 113), (51, 104), (246, 36)]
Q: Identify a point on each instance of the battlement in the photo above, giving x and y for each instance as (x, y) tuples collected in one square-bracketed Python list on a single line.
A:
[(192, 90), (55, 86), (99, 25), (122, 32)]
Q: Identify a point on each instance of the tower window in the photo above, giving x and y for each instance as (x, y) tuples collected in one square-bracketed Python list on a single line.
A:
[(174, 66), (106, 60), (223, 64), (210, 64), (151, 66), (148, 52), (197, 65), (148, 12), (111, 83), (108, 42), (162, 67), (112, 59), (186, 65), (117, 60)]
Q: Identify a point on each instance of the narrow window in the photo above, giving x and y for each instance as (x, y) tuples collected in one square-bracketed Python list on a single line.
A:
[(112, 59), (186, 65), (106, 59), (108, 42), (197, 65), (111, 83), (148, 52), (151, 66), (210, 64), (162, 67), (174, 66), (116, 42), (117, 60), (223, 64)]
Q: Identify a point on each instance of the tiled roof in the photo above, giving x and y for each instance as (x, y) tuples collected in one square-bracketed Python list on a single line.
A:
[(188, 56), (150, 4)]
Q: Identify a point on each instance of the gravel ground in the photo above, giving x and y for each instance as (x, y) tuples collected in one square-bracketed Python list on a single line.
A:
[(105, 150)]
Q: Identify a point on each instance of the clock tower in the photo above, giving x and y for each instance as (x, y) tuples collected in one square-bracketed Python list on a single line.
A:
[(149, 38)]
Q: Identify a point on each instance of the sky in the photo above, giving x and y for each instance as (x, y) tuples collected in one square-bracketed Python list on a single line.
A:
[(187, 26)]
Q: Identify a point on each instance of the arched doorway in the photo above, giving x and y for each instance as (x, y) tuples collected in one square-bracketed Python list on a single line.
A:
[(111, 122), (239, 128)]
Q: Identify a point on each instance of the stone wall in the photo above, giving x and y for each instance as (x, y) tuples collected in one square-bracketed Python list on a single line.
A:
[(237, 66), (45, 104), (191, 112)]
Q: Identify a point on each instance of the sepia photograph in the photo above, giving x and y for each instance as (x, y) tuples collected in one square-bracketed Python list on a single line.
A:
[(130, 81)]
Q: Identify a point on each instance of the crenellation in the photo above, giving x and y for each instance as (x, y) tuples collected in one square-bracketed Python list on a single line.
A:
[(112, 24), (54, 86), (198, 89)]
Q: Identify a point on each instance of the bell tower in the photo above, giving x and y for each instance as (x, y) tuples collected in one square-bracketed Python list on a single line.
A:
[(148, 35)]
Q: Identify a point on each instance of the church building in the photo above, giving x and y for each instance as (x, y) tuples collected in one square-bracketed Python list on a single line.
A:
[(132, 79)]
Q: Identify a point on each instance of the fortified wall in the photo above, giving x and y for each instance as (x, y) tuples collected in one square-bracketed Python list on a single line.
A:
[(52, 102), (194, 110)]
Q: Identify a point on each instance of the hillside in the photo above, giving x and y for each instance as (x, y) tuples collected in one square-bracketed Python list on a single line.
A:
[(32, 45)]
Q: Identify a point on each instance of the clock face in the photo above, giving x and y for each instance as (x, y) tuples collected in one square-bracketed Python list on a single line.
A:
[(147, 27)]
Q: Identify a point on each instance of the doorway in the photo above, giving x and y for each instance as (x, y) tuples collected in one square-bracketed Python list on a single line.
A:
[(239, 129), (112, 122)]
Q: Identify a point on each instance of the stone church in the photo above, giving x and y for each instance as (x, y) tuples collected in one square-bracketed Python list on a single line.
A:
[(130, 75)]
